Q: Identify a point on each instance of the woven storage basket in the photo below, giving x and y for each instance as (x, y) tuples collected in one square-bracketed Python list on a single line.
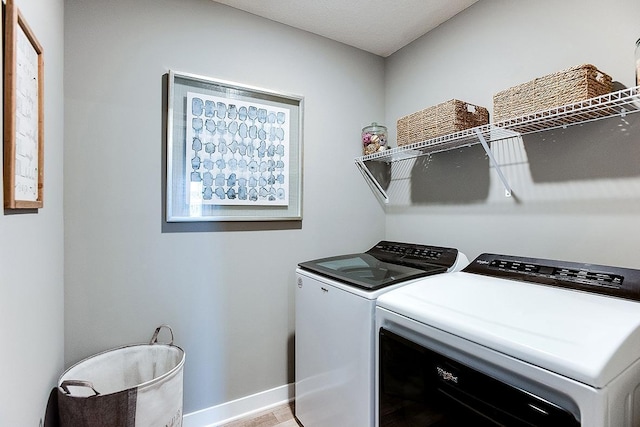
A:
[(572, 85), (442, 119)]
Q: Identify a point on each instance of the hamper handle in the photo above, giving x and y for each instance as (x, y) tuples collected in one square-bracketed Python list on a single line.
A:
[(77, 383), (154, 338)]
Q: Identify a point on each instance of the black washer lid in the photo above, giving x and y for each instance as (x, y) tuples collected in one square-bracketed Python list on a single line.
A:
[(386, 264)]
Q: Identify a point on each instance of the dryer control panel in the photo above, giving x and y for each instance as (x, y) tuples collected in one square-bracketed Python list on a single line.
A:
[(606, 280)]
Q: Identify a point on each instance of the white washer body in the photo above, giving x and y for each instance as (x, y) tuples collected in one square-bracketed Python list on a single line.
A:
[(582, 345), (335, 350)]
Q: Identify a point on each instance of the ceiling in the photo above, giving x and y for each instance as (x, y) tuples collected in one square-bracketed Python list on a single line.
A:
[(377, 26)]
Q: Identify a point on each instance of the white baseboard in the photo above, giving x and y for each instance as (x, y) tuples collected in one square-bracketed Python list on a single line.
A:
[(229, 411)]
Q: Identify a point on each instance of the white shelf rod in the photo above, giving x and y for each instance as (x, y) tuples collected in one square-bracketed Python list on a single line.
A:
[(507, 188), (373, 183)]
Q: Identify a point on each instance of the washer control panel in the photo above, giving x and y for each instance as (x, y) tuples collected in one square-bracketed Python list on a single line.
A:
[(413, 254), (607, 280)]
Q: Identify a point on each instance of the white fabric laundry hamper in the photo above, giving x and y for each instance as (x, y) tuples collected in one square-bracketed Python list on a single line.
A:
[(132, 386)]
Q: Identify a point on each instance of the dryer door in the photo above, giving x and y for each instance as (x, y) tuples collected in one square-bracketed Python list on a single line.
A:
[(420, 387)]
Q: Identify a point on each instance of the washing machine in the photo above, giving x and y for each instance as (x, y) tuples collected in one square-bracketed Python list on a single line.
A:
[(335, 318), (511, 341)]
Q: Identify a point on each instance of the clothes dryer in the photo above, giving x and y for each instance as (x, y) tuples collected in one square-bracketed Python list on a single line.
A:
[(511, 341)]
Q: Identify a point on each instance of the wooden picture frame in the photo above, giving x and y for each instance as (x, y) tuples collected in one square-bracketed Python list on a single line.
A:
[(23, 113)]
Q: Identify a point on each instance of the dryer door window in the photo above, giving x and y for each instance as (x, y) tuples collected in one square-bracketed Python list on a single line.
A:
[(420, 387)]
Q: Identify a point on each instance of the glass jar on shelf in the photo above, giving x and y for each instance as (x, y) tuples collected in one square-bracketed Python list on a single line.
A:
[(374, 138)]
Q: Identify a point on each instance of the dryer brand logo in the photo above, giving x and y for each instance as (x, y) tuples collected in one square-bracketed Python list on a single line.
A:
[(446, 375), (482, 261)]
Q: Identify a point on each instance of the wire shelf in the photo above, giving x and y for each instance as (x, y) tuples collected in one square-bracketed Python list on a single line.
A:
[(614, 104)]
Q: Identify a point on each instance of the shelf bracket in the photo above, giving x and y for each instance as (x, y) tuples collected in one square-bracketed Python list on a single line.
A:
[(507, 188), (373, 183)]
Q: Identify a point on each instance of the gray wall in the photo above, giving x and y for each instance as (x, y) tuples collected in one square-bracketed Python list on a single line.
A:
[(126, 271), (226, 289), (578, 189), (31, 253)]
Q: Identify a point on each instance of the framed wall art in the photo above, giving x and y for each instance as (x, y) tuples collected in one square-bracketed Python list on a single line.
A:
[(23, 114), (234, 152)]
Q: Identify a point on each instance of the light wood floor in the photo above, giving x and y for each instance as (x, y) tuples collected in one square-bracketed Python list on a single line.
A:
[(280, 416)]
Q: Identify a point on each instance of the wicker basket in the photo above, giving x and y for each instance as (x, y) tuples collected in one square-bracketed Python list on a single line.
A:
[(447, 117), (554, 90)]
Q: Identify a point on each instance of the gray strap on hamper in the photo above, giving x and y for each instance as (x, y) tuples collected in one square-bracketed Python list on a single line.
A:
[(106, 410)]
